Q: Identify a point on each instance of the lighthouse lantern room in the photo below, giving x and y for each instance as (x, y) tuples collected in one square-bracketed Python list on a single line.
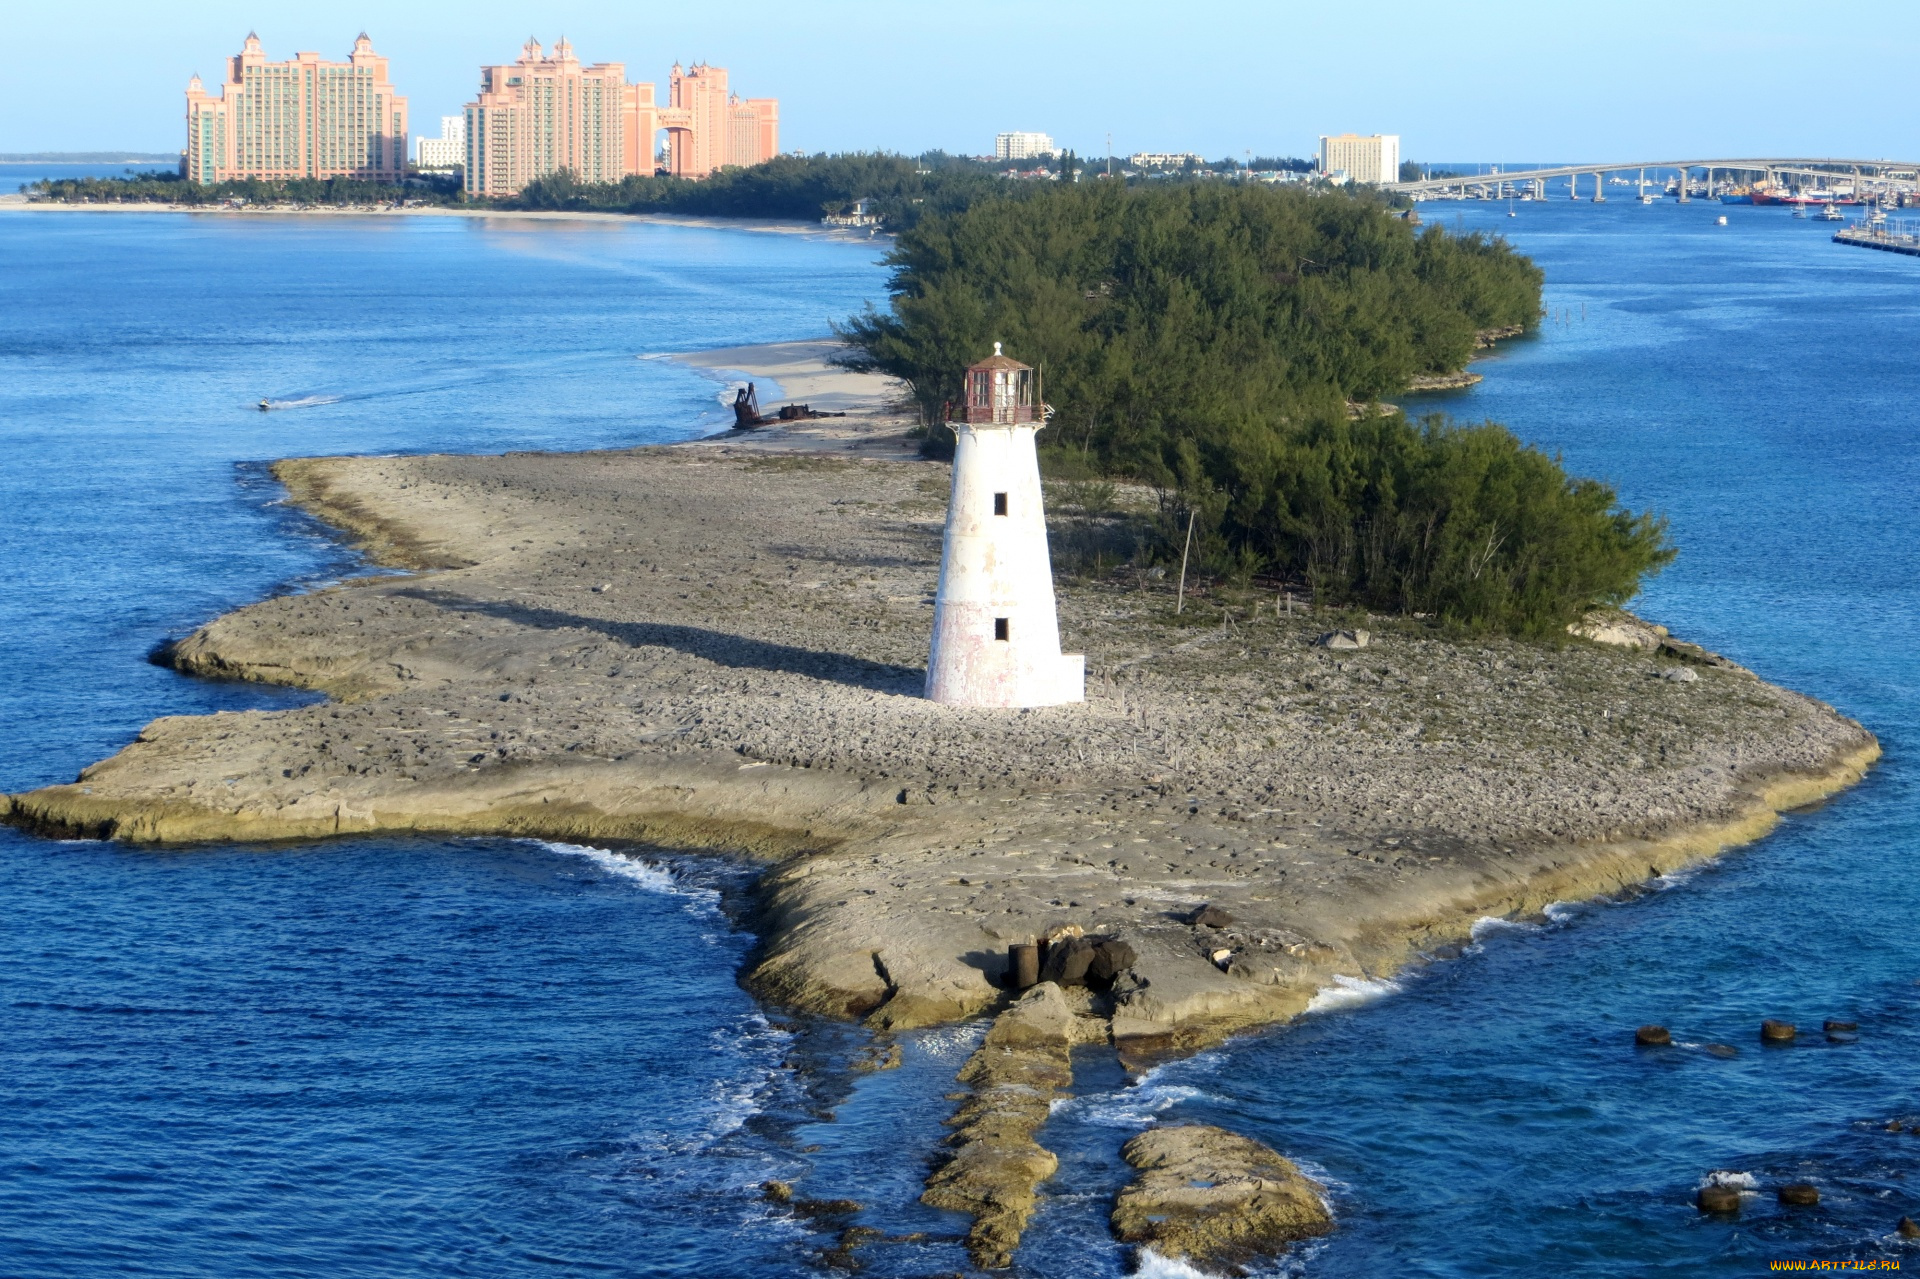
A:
[(996, 634)]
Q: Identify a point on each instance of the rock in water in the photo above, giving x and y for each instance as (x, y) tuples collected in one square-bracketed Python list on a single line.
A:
[(1777, 1032), (1798, 1193), (1652, 1036), (1214, 1199), (996, 1164), (1908, 1228), (1839, 1027), (1719, 1199)]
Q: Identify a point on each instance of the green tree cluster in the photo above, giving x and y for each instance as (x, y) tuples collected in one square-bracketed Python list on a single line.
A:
[(1228, 343), (788, 186), (169, 188)]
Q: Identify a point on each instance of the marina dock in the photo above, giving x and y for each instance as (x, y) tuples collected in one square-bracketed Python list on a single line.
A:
[(1879, 237)]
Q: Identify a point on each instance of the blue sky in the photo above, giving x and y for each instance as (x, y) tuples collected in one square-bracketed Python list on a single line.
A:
[(1495, 81)]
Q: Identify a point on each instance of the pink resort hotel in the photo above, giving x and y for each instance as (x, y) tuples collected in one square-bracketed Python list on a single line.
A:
[(309, 118)]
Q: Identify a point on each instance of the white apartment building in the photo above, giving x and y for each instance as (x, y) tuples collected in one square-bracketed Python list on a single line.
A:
[(1163, 159), (1374, 160), (1022, 146), (448, 151)]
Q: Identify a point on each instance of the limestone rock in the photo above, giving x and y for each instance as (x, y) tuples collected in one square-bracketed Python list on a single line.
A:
[(1210, 917), (1777, 1032), (1214, 1199), (1345, 639), (1680, 675), (1611, 626), (1652, 1036), (996, 1165), (1724, 1200)]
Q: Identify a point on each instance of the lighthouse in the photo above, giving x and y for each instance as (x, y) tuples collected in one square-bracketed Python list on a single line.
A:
[(996, 635)]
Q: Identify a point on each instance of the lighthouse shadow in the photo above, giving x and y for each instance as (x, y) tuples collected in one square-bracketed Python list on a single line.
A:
[(740, 652)]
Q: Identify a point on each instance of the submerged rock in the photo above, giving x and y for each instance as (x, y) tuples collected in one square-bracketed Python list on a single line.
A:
[(996, 1165), (1721, 1050), (1839, 1027), (1798, 1193), (1214, 1199), (1724, 1200)]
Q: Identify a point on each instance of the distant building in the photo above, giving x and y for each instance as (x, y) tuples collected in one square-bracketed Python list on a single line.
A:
[(546, 113), (1022, 146), (1163, 159), (304, 118), (446, 152), (709, 128), (862, 214), (1373, 160), (541, 114)]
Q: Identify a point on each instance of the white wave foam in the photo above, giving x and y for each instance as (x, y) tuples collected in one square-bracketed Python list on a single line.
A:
[(1675, 878), (1560, 912), (1487, 925), (1154, 1266), (948, 1042), (1135, 1107), (303, 402), (1741, 1181), (1351, 992), (648, 875), (1141, 1102), (760, 1047)]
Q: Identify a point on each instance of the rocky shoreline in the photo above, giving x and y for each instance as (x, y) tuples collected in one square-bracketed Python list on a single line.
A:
[(720, 645)]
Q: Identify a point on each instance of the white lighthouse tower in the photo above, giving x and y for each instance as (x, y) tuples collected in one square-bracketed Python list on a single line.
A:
[(996, 636)]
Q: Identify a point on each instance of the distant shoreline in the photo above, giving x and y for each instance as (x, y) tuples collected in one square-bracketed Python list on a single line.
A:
[(87, 157), (774, 226)]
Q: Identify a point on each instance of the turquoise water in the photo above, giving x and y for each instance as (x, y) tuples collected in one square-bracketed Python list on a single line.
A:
[(386, 1058)]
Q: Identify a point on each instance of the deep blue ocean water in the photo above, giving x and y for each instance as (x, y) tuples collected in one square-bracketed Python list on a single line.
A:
[(490, 1057)]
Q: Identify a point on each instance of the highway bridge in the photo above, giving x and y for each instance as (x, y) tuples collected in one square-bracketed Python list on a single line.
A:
[(1707, 177)]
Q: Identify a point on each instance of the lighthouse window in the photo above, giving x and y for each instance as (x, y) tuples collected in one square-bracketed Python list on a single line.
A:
[(999, 503), (1000, 628)]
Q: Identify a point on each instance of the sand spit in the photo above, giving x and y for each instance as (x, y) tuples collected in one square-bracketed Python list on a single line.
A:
[(769, 226), (721, 645)]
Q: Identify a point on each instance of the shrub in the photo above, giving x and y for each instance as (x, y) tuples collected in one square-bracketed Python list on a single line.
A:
[(1211, 339)]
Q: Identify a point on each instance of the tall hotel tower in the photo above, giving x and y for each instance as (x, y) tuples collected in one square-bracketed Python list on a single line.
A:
[(306, 118), (542, 114), (545, 113)]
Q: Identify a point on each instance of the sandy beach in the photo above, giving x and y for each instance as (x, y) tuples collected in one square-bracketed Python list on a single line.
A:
[(18, 203)]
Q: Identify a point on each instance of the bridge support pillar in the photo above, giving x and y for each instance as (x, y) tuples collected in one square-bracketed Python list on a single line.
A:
[(1683, 185), (1599, 189)]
